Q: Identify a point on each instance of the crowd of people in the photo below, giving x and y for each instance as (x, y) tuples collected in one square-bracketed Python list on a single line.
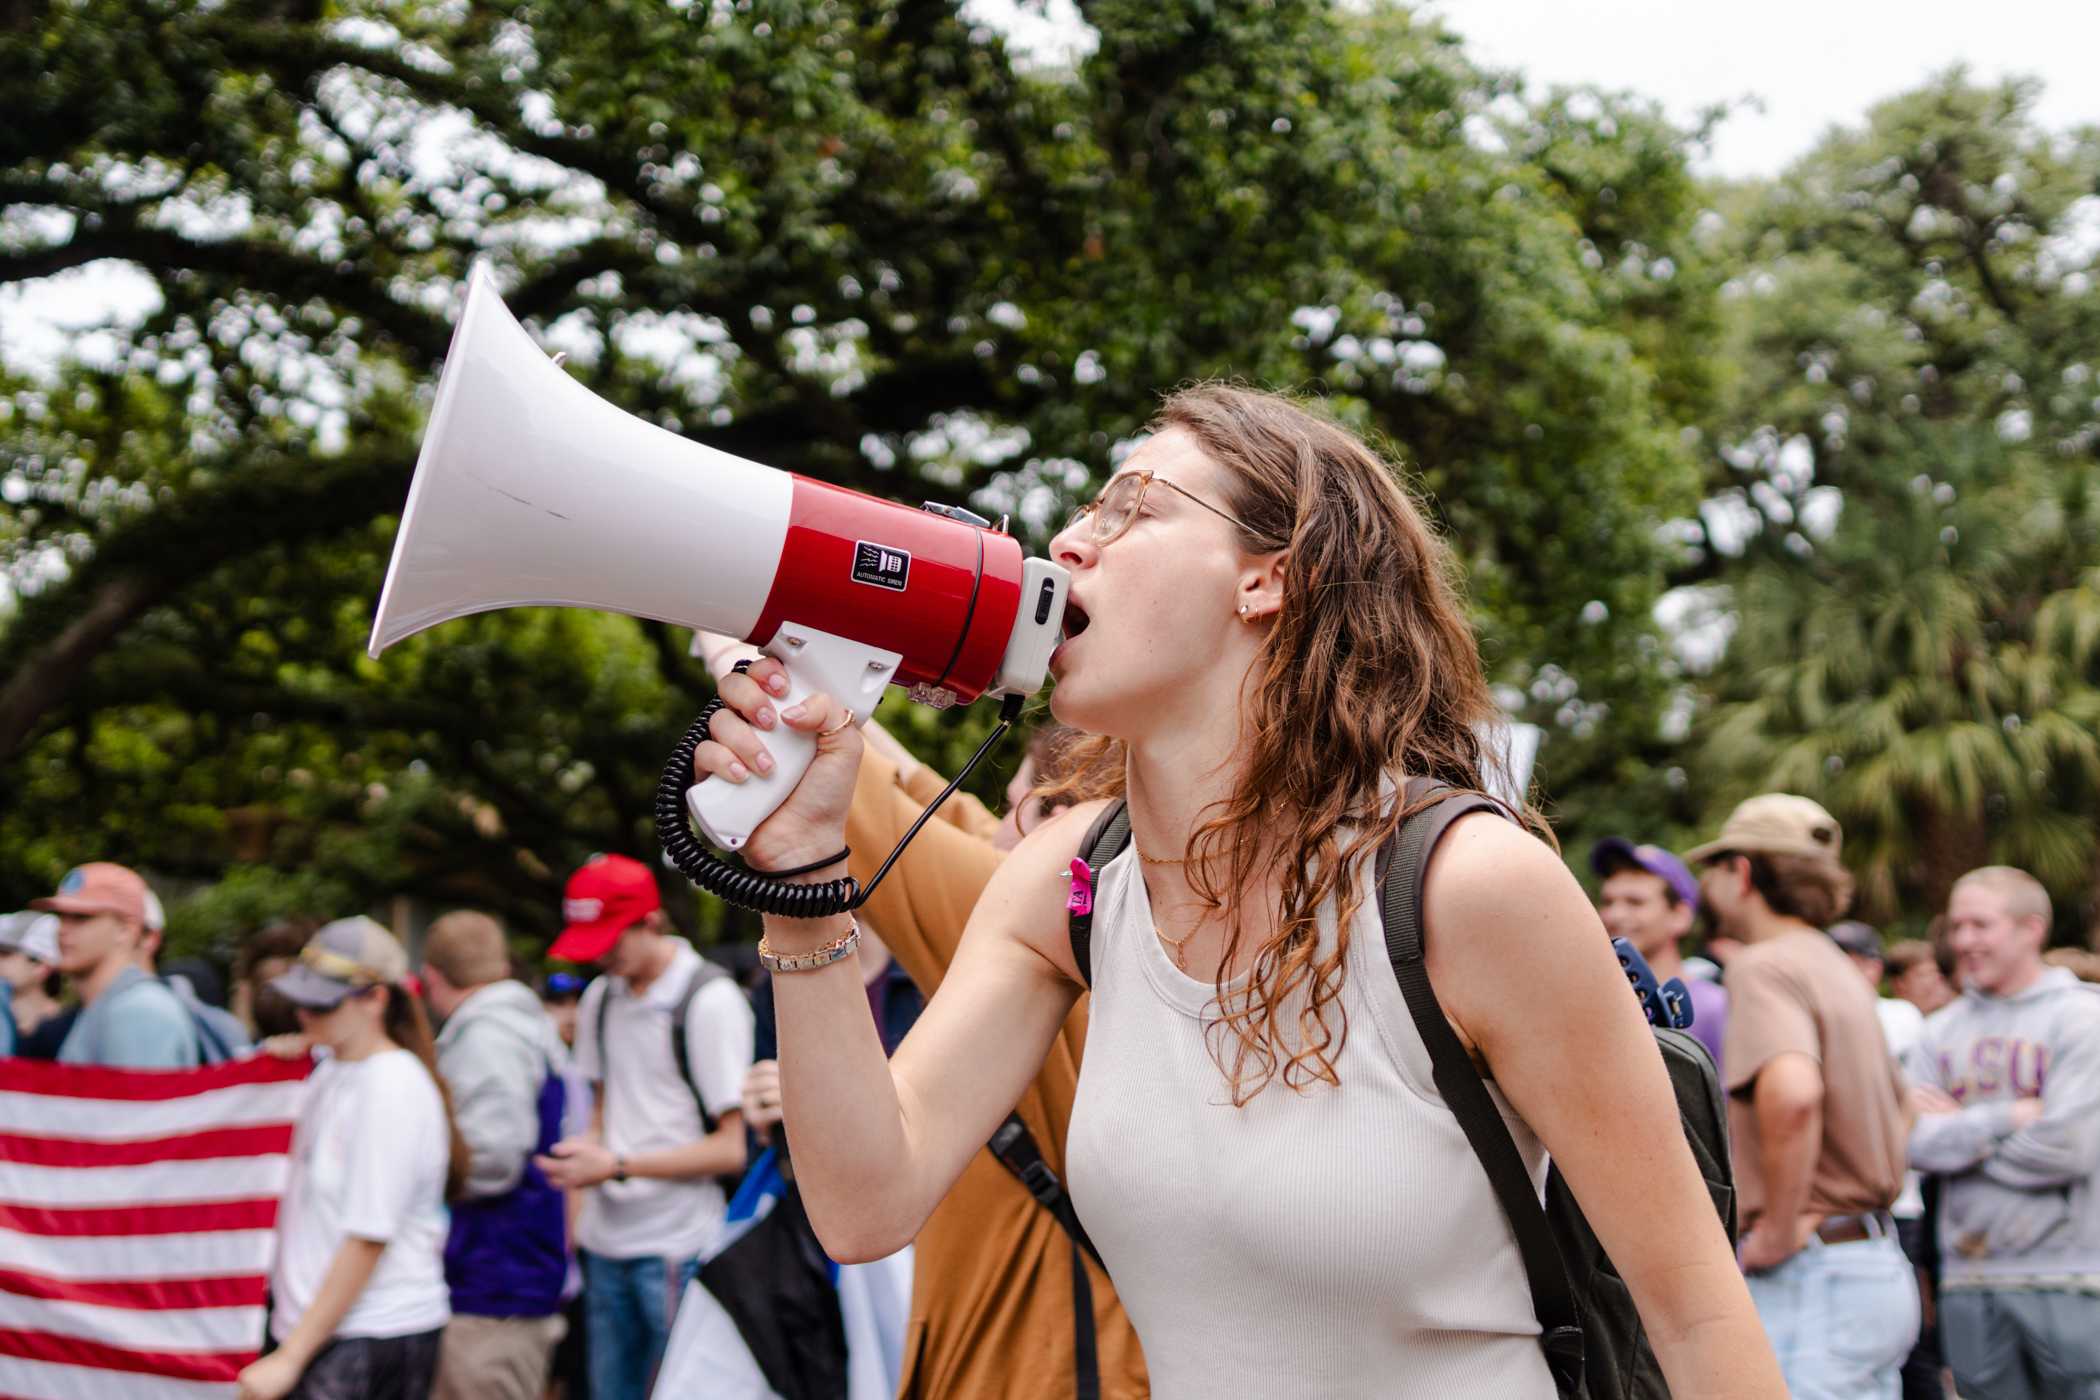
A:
[(1231, 1168)]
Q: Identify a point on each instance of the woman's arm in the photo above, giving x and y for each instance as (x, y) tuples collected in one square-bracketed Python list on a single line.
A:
[(879, 1142), (1526, 974), (348, 1273)]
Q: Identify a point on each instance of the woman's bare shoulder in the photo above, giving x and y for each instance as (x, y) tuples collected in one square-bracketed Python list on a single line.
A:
[(1027, 899)]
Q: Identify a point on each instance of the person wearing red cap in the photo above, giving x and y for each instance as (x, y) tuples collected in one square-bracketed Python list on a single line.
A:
[(128, 1019), (663, 1134)]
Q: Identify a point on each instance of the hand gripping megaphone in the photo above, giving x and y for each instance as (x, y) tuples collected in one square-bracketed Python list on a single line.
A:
[(531, 490)]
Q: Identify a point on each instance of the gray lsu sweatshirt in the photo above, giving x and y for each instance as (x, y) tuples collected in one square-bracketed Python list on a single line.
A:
[(495, 1051), (2017, 1208)]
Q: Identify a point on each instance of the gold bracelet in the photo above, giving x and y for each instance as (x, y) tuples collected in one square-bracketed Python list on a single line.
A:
[(845, 944)]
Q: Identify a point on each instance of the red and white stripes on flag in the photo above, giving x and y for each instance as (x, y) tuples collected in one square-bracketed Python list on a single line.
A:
[(138, 1215)]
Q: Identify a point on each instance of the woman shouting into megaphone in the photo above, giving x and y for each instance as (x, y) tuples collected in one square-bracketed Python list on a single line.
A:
[(1264, 638)]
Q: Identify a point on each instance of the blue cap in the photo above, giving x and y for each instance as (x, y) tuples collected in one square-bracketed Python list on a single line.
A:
[(562, 984), (1615, 853)]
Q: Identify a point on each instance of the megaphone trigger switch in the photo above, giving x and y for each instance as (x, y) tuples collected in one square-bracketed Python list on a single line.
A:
[(1044, 601)]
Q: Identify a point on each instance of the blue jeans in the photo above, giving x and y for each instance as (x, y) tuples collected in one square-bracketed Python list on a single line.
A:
[(1841, 1317), (627, 1307)]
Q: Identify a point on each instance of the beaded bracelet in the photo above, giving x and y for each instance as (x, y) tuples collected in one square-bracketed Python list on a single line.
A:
[(845, 944)]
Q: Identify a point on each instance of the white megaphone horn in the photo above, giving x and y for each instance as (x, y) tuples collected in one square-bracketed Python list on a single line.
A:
[(531, 490)]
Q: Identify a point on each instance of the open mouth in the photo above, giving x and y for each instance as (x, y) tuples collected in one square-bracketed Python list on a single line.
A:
[(1076, 619)]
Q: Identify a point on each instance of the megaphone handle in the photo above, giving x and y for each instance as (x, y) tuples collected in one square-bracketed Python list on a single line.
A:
[(853, 674)]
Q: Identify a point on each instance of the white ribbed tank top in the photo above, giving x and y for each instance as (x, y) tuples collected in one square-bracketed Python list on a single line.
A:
[(1339, 1242)]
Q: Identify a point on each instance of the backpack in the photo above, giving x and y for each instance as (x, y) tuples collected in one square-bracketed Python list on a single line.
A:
[(707, 972), (220, 1037), (1589, 1330)]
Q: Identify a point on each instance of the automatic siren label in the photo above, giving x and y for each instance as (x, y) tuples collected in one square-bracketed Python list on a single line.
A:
[(880, 565)]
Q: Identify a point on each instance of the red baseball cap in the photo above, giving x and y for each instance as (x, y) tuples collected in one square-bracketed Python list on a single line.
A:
[(609, 895), (101, 887)]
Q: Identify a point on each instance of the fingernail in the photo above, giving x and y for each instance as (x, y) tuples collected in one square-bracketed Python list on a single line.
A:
[(737, 772), (764, 716), (764, 761), (792, 712), (777, 684)]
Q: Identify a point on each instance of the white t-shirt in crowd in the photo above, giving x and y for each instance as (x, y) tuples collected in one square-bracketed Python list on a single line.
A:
[(1901, 1025), (647, 1107), (368, 1159)]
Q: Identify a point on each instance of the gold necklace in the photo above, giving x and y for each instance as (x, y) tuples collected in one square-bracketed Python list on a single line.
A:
[(1178, 946)]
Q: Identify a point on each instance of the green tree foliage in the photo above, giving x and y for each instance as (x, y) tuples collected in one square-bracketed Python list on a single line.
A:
[(1910, 452), (859, 240)]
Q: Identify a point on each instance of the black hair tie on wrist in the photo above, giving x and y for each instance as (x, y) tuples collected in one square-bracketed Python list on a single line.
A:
[(742, 666), (809, 869)]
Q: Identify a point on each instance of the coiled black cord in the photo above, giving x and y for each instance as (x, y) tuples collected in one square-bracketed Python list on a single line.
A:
[(769, 894)]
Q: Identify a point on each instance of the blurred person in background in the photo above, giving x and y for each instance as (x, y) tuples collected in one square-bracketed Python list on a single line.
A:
[(1650, 898), (664, 1134), (1921, 972), (507, 1254), (1816, 1107), (127, 1019), (29, 978), (2083, 963), (560, 993), (358, 1296), (198, 985), (269, 952), (1901, 1025), (2008, 1092), (1901, 1021)]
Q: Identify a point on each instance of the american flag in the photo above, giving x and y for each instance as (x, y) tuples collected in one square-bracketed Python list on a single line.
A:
[(138, 1213)]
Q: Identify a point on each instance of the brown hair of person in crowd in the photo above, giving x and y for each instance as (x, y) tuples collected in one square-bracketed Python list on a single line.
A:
[(467, 948), (2082, 961), (264, 953), (408, 1026), (1370, 668), (1813, 889)]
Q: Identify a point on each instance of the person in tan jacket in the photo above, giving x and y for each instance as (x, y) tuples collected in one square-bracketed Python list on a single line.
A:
[(992, 1309)]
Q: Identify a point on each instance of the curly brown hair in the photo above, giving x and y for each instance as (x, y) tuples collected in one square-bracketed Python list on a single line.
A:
[(1369, 674)]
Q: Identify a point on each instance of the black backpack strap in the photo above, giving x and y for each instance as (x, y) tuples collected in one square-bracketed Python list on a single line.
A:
[(604, 1057), (1086, 1356), (1104, 841), (1017, 1151), (1406, 866), (707, 972)]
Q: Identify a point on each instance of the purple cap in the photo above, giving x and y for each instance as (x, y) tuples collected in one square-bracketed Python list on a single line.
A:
[(1616, 853)]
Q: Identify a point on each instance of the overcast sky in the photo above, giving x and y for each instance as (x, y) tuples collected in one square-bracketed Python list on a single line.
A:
[(1812, 63)]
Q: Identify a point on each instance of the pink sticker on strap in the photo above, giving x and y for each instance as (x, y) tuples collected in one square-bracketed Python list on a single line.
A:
[(1081, 900)]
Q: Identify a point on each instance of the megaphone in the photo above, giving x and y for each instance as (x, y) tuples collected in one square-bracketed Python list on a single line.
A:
[(531, 490)]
